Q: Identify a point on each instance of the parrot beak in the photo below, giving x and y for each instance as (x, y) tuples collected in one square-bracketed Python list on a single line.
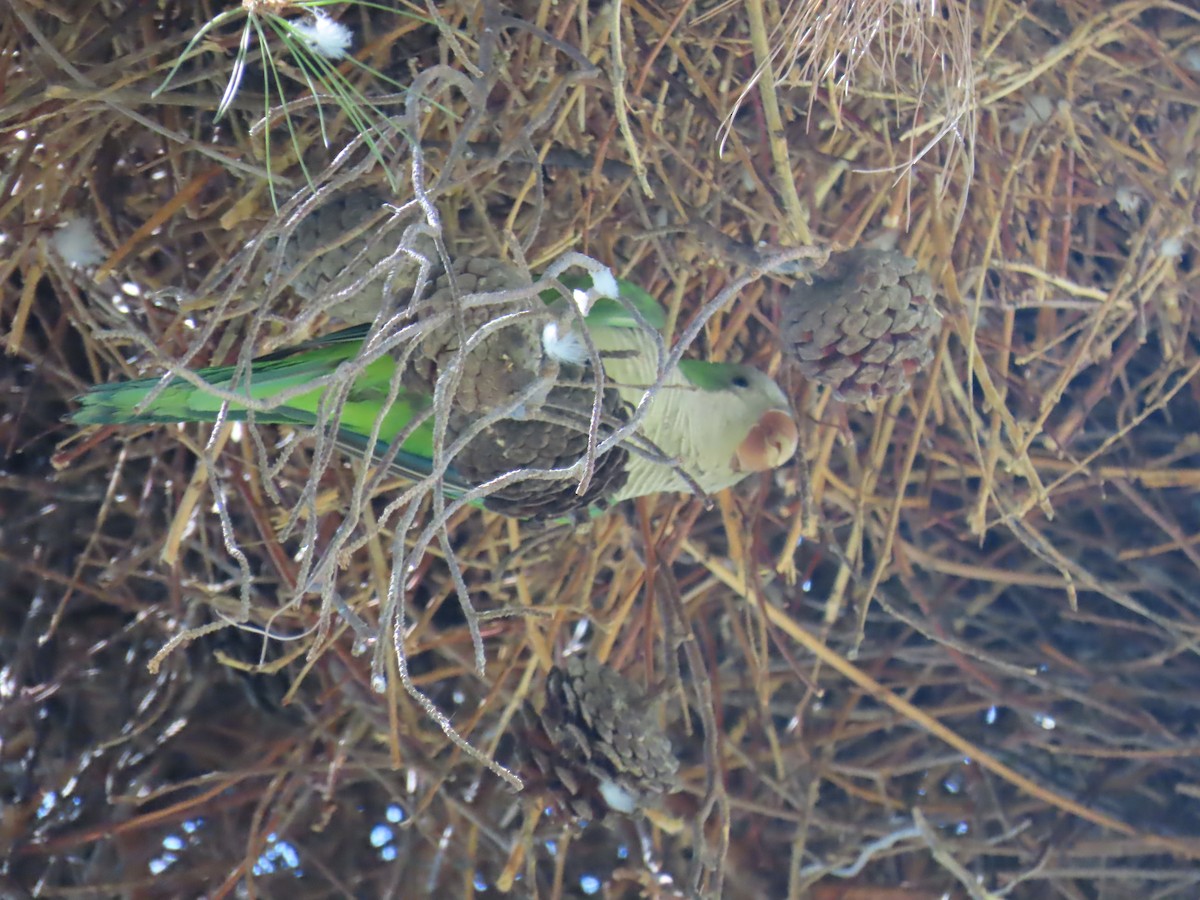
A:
[(770, 443)]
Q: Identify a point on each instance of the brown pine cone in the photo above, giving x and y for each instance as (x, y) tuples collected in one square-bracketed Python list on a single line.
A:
[(332, 249), (597, 742), (500, 366), (552, 434), (536, 443), (864, 327)]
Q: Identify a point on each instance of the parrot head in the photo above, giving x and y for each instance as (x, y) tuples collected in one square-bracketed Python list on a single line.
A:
[(745, 421), (766, 432)]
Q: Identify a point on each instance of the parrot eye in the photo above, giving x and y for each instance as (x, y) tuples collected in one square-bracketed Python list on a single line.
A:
[(740, 381)]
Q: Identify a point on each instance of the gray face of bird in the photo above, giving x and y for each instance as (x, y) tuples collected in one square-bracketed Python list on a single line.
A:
[(769, 435)]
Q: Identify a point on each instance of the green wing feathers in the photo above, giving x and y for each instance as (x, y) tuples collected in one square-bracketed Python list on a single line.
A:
[(182, 401), (612, 313)]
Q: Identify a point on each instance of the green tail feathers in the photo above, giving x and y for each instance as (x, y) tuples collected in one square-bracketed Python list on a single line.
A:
[(117, 404), (181, 401)]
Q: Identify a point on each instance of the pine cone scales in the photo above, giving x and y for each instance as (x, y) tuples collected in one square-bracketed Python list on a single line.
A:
[(601, 747), (329, 250), (535, 443), (864, 327), (326, 252), (498, 368)]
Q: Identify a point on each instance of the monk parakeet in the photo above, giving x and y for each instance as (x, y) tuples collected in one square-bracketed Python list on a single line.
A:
[(719, 421)]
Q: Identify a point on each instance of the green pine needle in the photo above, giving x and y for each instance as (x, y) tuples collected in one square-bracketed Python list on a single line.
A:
[(275, 37)]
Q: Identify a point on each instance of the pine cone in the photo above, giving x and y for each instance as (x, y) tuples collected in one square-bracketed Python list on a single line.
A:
[(553, 432), (864, 327), (597, 742), (535, 443), (331, 249), (503, 364)]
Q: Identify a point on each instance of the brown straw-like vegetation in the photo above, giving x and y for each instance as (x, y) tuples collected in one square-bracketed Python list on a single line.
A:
[(951, 649)]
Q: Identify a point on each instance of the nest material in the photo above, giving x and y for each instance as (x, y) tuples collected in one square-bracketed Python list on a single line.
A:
[(1041, 518), (598, 742), (864, 326)]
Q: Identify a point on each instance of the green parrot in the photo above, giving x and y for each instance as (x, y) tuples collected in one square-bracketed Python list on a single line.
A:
[(719, 422)]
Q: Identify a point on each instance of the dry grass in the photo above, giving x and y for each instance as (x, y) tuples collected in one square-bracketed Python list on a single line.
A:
[(952, 652)]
